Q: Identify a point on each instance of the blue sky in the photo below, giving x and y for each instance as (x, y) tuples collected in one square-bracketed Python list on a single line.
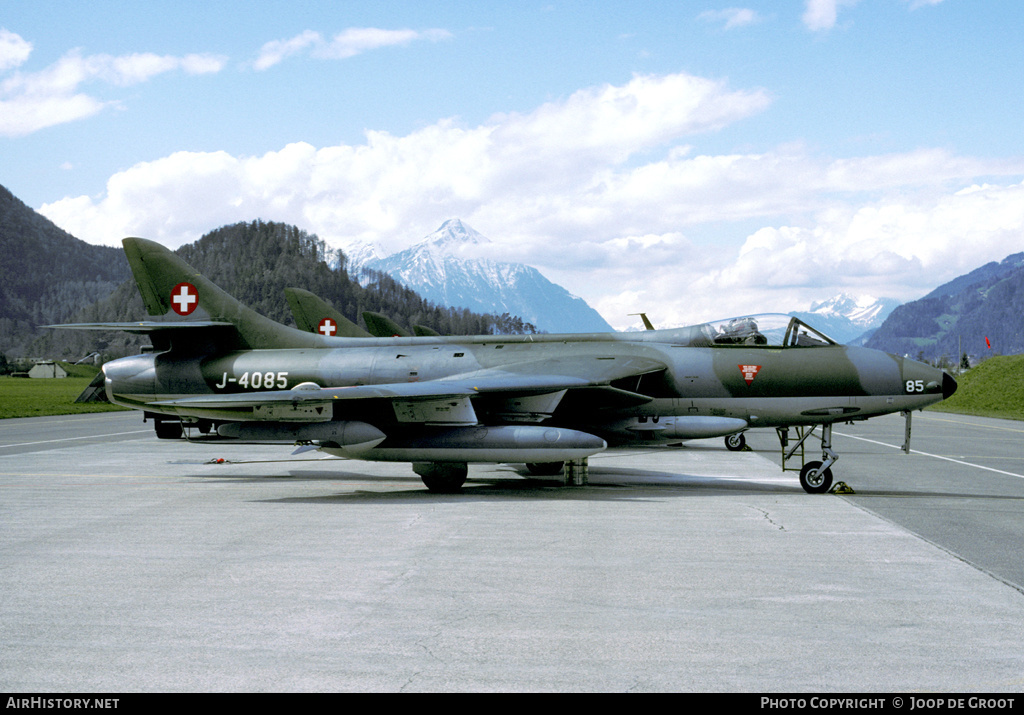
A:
[(690, 159)]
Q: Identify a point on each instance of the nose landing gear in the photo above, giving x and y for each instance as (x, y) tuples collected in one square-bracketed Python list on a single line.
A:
[(815, 477)]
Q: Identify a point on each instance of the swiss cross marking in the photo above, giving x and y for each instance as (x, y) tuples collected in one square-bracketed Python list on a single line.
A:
[(749, 372), (184, 298), (328, 327)]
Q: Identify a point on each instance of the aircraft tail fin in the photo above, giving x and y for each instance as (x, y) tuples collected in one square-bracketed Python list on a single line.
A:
[(314, 315), (382, 326), (170, 285)]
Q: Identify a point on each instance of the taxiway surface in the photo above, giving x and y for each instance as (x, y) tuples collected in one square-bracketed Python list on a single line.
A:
[(135, 564)]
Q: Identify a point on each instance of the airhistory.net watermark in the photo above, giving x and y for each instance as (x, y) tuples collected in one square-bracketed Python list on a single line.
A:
[(41, 703)]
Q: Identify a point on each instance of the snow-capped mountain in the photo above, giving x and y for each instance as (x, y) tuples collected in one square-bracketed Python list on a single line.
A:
[(849, 319), (447, 268), (358, 255)]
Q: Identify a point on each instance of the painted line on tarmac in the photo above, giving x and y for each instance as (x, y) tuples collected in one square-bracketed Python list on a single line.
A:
[(973, 424), (69, 439), (936, 456)]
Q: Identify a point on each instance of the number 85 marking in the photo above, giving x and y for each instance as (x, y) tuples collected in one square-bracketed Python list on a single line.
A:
[(915, 385)]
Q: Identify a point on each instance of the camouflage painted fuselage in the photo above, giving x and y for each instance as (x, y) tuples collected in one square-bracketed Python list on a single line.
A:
[(664, 376)]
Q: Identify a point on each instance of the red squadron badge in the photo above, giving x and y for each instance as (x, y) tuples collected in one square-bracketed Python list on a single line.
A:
[(328, 327), (184, 298), (749, 372)]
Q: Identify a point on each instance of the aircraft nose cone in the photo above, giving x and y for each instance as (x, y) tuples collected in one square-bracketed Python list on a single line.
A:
[(948, 386)]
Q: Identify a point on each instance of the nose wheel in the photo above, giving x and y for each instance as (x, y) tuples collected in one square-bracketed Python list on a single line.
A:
[(815, 477)]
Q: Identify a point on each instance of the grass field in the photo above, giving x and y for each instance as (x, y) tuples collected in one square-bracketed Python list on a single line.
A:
[(26, 397), (993, 389)]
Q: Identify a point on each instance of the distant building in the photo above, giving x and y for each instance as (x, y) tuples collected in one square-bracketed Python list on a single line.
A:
[(47, 368)]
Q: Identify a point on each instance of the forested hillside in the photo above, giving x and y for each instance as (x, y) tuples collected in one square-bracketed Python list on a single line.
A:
[(958, 317), (255, 262), (46, 274)]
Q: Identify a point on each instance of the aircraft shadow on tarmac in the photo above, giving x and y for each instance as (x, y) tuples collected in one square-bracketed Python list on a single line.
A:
[(606, 484)]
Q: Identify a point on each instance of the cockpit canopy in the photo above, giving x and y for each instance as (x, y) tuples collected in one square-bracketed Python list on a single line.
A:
[(772, 330)]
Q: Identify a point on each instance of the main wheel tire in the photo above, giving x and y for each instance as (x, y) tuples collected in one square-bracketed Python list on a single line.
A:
[(814, 480), (168, 429), (442, 477), (735, 442), (544, 469)]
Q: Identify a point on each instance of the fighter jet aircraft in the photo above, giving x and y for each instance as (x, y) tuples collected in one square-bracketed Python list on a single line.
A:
[(442, 402), (314, 315)]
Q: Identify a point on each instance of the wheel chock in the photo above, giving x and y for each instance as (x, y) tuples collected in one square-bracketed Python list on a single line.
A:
[(841, 488)]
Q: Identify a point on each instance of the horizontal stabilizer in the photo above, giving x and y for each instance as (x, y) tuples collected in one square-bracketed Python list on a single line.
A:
[(142, 327)]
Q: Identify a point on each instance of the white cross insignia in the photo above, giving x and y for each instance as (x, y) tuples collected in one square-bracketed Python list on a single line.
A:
[(184, 298)]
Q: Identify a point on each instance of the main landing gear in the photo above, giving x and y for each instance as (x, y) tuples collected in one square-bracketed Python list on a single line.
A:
[(448, 477), (735, 442), (442, 477), (815, 477)]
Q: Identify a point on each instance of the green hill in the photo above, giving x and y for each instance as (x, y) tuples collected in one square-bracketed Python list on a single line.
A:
[(959, 316), (46, 274), (992, 389)]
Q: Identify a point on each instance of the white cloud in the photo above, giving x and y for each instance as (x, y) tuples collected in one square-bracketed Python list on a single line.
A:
[(28, 113), (901, 247), (132, 69), (603, 192), (349, 43), (731, 18), (610, 123), (30, 101), (277, 51), (356, 40), (14, 50), (374, 191), (823, 14)]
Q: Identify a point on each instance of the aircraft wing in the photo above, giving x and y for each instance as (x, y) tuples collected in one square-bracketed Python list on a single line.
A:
[(143, 327), (161, 332), (576, 371), (444, 401), (316, 395)]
